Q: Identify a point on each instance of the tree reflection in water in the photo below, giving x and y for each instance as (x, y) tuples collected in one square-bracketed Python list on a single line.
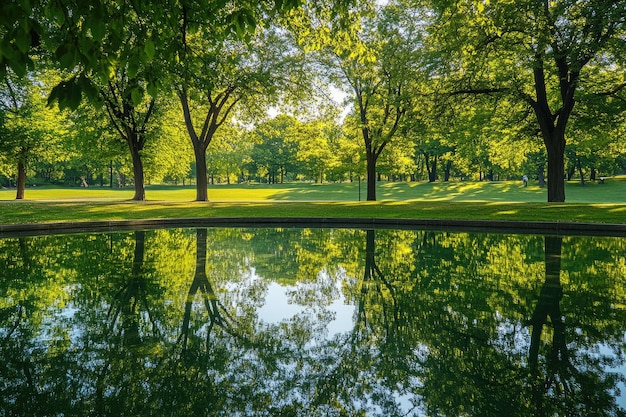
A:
[(168, 323), (563, 382)]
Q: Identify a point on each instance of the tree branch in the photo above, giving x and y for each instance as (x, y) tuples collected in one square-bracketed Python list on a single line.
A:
[(477, 91), (612, 92)]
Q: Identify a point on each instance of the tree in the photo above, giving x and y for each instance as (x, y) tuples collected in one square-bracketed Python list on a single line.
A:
[(218, 71), (597, 120), (375, 60), (350, 157), (131, 118), (273, 152), (313, 142), (29, 129), (126, 71), (95, 148), (168, 153), (536, 51)]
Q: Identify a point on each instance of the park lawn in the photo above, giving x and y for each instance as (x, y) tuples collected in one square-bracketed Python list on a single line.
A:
[(599, 203), (612, 191)]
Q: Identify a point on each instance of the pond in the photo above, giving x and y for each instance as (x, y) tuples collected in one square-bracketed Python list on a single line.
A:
[(311, 322)]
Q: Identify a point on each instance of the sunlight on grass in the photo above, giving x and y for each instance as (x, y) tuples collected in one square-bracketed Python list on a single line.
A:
[(465, 187), (506, 213)]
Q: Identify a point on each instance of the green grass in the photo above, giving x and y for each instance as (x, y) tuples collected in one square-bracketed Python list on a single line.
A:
[(613, 191), (604, 203)]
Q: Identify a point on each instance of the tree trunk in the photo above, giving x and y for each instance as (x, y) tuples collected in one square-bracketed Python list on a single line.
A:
[(135, 152), (371, 176), (202, 193), (21, 180), (580, 171), (199, 280), (427, 164), (446, 172), (431, 167), (552, 126), (556, 167), (541, 176)]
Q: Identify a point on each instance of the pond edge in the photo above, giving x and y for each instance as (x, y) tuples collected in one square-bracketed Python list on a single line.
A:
[(491, 226)]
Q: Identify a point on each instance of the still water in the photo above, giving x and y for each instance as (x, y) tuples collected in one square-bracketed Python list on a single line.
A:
[(311, 322)]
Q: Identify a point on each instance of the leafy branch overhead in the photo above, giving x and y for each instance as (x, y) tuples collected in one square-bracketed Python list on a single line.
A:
[(91, 39)]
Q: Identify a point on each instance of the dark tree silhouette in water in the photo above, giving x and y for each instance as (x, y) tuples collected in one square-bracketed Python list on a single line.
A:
[(217, 313), (564, 385)]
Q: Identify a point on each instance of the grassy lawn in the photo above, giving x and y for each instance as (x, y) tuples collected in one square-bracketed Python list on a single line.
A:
[(605, 203)]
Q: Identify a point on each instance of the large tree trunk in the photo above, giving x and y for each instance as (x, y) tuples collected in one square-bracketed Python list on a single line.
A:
[(371, 176), (21, 180), (553, 126), (202, 193), (135, 152), (555, 148)]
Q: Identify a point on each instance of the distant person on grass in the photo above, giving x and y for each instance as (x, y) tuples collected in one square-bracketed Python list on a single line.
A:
[(525, 180)]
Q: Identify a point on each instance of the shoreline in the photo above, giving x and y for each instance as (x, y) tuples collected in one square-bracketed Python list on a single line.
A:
[(486, 226)]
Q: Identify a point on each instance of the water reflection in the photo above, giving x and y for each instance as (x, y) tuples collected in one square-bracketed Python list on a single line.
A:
[(378, 322)]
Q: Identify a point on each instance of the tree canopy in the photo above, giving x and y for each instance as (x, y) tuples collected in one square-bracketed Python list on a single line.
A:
[(542, 53), (433, 90)]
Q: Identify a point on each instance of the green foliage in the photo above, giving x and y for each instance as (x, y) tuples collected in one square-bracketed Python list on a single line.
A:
[(31, 132), (438, 89), (230, 153), (274, 152), (540, 54), (375, 59)]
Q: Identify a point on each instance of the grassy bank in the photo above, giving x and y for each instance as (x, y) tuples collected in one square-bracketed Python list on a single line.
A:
[(33, 212), (600, 203)]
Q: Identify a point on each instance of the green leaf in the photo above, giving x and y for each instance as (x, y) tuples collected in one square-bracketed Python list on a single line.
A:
[(90, 91), (56, 94), (193, 28), (66, 55), (136, 95), (67, 94), (149, 49), (74, 94), (22, 40), (19, 65), (153, 89), (133, 66), (55, 12), (98, 29)]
